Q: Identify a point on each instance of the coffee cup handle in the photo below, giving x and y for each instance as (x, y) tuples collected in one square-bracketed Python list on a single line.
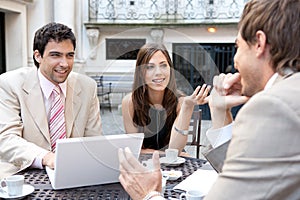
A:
[(144, 163), (165, 176), (182, 195), (3, 183)]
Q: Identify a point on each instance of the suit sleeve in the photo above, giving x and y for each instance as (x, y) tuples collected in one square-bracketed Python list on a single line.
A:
[(94, 125), (263, 157), (16, 153)]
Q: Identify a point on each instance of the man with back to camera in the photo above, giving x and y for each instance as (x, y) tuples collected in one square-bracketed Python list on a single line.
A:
[(263, 156), (41, 104)]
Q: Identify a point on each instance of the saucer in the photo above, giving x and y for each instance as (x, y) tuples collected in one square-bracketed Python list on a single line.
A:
[(164, 161), (173, 175), (27, 189)]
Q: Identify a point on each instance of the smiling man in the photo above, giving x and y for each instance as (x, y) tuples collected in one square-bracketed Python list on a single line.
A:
[(41, 104)]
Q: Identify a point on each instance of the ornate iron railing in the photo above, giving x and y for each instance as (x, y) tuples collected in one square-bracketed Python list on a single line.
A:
[(171, 11)]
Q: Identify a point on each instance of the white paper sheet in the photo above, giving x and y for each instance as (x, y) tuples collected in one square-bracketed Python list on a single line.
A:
[(201, 180)]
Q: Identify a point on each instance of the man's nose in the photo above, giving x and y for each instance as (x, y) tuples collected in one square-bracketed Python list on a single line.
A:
[(64, 62)]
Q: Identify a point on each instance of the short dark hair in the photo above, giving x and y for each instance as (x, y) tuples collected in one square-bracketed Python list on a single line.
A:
[(279, 20), (51, 31)]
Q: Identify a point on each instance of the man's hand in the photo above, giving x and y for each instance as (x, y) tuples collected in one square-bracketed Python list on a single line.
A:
[(228, 86), (137, 180), (49, 160), (226, 94)]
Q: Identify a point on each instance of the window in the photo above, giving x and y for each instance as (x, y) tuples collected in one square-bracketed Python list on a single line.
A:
[(123, 49), (196, 64)]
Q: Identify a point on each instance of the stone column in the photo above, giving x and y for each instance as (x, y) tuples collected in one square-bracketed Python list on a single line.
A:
[(39, 14), (64, 12)]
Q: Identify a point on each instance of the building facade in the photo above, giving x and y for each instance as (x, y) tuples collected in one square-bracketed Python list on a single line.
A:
[(110, 32)]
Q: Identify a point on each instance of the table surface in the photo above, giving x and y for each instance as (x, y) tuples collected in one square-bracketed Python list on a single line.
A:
[(43, 189)]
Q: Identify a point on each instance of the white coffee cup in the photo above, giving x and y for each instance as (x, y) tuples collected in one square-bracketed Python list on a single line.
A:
[(171, 155), (192, 195), (14, 184)]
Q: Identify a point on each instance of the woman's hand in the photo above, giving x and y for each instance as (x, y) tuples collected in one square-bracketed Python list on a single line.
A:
[(199, 96)]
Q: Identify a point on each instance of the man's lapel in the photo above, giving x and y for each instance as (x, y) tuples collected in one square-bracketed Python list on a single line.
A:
[(73, 102), (35, 103)]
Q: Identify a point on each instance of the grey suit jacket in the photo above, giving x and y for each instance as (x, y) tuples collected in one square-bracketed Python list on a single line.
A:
[(216, 157), (263, 157), (24, 132)]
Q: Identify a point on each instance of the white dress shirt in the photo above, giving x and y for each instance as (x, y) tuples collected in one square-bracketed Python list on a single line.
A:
[(47, 88)]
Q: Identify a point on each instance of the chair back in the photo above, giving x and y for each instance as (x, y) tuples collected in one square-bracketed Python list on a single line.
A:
[(195, 131), (103, 91)]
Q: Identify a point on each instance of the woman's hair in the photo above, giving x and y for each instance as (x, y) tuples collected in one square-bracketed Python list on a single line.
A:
[(51, 32), (279, 20), (140, 96)]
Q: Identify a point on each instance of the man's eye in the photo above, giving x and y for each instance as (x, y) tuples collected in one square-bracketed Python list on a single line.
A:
[(71, 55), (55, 54)]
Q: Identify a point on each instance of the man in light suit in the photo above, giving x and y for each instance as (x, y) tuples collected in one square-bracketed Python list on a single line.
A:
[(25, 101), (262, 146)]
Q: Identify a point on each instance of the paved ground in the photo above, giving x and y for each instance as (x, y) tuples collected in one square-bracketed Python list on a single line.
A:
[(112, 123)]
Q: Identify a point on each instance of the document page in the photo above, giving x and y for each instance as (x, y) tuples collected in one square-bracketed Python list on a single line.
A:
[(201, 180)]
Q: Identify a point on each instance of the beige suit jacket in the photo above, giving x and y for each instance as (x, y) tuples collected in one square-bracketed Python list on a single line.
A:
[(24, 132), (263, 157)]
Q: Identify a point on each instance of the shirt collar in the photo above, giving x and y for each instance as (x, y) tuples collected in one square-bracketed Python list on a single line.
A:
[(271, 81), (47, 86)]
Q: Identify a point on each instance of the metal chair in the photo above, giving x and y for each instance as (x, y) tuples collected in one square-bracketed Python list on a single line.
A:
[(195, 131), (103, 91)]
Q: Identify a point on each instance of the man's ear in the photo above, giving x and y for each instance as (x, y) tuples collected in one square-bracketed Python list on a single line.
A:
[(37, 56), (261, 43)]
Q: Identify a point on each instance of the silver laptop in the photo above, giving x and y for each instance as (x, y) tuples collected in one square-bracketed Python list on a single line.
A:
[(90, 160)]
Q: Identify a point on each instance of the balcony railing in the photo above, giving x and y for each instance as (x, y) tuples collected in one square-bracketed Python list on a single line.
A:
[(165, 11)]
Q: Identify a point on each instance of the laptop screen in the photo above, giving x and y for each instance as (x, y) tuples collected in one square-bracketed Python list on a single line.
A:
[(91, 160)]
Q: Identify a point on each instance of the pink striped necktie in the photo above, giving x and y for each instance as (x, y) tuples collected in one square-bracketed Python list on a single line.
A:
[(57, 125)]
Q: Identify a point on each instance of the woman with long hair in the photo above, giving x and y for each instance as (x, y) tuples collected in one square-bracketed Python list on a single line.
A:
[(156, 107)]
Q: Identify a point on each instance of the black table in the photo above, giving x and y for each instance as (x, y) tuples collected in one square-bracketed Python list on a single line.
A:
[(43, 189), (188, 167)]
